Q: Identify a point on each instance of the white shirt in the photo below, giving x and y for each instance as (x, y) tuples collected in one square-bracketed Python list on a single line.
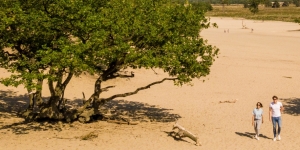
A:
[(276, 109)]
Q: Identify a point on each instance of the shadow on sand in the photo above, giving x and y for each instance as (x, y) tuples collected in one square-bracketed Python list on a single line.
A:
[(11, 104), (291, 106), (141, 111), (23, 127), (176, 138), (251, 135)]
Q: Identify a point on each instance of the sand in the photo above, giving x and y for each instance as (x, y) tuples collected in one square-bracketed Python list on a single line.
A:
[(253, 65)]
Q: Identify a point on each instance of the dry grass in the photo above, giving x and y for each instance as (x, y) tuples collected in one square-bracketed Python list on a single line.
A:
[(288, 14)]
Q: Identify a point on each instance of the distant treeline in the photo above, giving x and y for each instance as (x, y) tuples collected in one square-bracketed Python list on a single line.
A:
[(228, 2), (199, 4), (206, 5)]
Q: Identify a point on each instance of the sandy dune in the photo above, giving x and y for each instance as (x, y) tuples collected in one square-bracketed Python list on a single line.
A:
[(252, 67)]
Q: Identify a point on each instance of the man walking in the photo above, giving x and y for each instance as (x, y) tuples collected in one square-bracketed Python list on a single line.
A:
[(275, 110)]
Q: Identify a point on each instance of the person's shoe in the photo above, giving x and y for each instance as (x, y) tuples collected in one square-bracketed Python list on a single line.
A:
[(256, 137), (279, 138), (274, 139)]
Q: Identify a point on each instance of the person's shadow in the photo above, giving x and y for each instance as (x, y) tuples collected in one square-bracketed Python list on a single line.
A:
[(251, 135)]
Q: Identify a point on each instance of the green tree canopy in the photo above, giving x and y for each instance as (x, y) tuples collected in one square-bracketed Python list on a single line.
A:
[(54, 40)]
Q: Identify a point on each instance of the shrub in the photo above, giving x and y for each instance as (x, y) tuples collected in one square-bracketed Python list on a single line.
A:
[(268, 3), (296, 2), (202, 5), (285, 4), (276, 4), (246, 5)]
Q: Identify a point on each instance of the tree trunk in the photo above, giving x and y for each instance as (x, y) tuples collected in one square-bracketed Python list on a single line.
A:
[(52, 108), (38, 94), (85, 115), (31, 100)]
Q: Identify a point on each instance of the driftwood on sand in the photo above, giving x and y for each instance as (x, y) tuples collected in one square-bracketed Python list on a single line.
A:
[(182, 132)]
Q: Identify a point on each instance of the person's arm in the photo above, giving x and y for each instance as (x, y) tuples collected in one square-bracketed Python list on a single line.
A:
[(270, 113), (252, 120), (281, 108), (262, 118)]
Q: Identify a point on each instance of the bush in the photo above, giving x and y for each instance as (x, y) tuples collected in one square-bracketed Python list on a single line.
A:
[(276, 5), (202, 5), (246, 5), (285, 4), (296, 2), (253, 7), (268, 3)]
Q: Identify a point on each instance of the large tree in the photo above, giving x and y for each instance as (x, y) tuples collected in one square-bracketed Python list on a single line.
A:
[(55, 40)]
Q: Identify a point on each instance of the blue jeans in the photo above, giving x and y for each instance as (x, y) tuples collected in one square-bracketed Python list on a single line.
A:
[(279, 123)]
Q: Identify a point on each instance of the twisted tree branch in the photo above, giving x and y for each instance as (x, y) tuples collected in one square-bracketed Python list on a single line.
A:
[(137, 90)]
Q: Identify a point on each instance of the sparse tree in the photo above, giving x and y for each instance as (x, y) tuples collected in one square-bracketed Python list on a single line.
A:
[(253, 7), (54, 40)]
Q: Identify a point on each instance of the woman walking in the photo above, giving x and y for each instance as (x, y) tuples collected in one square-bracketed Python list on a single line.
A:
[(257, 118)]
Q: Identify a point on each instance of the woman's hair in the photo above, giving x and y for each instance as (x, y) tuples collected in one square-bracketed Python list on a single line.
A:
[(274, 97), (260, 104)]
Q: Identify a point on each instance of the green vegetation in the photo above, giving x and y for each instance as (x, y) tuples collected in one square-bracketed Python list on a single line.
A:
[(267, 3), (51, 41), (276, 4), (297, 3), (253, 7), (288, 14)]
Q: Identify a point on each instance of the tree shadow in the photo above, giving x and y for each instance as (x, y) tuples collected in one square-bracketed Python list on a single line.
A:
[(24, 127), (11, 104), (138, 111), (251, 135), (292, 106)]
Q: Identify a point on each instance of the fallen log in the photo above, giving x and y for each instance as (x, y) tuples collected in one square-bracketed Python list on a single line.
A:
[(182, 132)]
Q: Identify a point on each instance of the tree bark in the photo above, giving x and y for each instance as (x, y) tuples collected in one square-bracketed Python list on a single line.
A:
[(52, 109)]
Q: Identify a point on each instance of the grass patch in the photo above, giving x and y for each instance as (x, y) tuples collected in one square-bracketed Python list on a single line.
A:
[(287, 14)]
